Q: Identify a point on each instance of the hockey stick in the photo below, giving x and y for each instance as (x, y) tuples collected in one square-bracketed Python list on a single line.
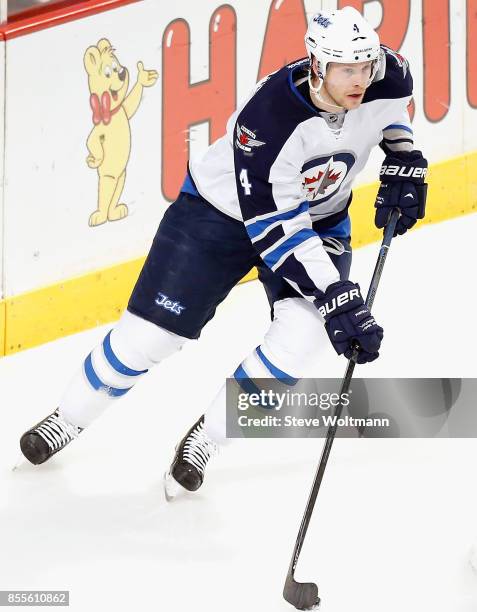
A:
[(304, 595)]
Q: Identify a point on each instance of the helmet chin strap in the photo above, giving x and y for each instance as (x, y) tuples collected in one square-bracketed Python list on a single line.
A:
[(316, 92)]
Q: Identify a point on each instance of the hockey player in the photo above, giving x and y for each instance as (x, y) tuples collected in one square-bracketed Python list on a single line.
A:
[(274, 192)]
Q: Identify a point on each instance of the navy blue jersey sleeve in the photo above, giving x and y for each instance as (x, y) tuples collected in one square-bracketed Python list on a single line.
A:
[(397, 87), (268, 157), (397, 81)]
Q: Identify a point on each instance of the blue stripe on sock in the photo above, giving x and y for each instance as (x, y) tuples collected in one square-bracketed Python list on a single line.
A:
[(98, 384), (247, 384), (280, 374), (244, 380), (115, 363)]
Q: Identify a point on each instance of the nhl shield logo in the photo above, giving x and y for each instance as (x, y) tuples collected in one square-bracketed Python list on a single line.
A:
[(322, 177)]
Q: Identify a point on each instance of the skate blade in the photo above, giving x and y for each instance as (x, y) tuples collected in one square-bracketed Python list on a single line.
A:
[(171, 487), (20, 461)]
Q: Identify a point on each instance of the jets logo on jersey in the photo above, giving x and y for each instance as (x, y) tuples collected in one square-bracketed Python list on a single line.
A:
[(400, 60), (317, 185), (323, 176), (246, 139)]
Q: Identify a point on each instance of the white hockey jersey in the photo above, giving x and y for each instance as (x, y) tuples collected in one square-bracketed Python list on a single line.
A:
[(287, 173)]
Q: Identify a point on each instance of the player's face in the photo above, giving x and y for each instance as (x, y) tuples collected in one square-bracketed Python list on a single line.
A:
[(346, 83)]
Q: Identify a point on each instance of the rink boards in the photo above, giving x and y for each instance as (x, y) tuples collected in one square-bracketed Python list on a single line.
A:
[(59, 275)]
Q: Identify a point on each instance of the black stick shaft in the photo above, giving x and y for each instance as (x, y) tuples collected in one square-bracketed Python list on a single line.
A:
[(373, 287)]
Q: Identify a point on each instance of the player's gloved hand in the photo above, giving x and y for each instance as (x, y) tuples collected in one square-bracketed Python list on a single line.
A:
[(348, 320), (403, 187)]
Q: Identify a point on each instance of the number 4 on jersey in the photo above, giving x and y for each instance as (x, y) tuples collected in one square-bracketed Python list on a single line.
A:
[(247, 186)]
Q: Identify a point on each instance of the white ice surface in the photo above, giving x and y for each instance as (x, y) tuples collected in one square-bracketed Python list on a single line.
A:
[(395, 519)]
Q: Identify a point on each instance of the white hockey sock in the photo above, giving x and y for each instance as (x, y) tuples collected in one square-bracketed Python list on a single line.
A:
[(256, 365), (214, 419), (115, 366), (289, 346)]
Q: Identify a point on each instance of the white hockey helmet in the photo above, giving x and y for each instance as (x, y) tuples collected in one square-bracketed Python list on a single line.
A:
[(344, 36)]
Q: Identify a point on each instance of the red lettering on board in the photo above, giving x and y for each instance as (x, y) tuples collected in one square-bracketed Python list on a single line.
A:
[(284, 37), (436, 34), (184, 103)]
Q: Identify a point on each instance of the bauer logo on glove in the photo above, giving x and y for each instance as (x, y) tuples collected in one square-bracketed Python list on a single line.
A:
[(348, 321), (335, 303), (402, 187), (403, 171)]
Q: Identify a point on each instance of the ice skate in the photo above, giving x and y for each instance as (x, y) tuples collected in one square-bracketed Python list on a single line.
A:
[(47, 438), (190, 460)]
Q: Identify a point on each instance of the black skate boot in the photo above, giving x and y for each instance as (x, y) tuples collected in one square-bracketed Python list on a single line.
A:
[(47, 437), (188, 467)]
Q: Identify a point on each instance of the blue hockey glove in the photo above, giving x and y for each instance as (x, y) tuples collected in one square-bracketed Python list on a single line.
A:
[(403, 187), (348, 320)]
